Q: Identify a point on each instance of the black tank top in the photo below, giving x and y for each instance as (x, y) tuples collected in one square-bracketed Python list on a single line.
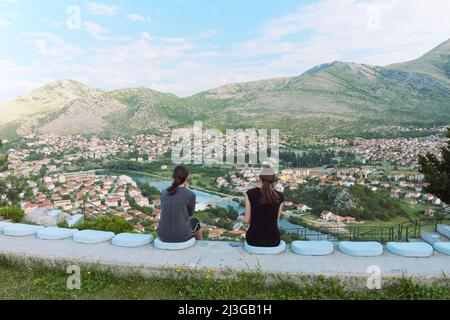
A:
[(263, 231)]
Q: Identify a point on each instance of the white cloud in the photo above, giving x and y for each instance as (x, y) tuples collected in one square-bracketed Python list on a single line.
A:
[(102, 9), (15, 79), (99, 32), (146, 36), (285, 46), (373, 31), (4, 23), (95, 30), (51, 45), (178, 42), (135, 17)]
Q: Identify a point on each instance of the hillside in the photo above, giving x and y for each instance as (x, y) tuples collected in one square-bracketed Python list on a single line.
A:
[(340, 91), (330, 99), (112, 112), (357, 201), (46, 99), (435, 63)]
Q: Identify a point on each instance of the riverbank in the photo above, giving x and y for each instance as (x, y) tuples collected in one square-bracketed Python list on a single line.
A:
[(156, 176)]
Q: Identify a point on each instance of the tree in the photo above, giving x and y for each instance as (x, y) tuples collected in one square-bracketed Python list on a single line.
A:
[(437, 172), (3, 160), (15, 188), (43, 170), (13, 213), (149, 191), (3, 163)]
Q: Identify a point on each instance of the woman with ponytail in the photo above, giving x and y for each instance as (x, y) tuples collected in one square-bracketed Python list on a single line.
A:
[(263, 206), (177, 207)]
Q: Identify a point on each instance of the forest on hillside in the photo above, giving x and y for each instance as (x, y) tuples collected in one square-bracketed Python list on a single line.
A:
[(313, 159), (357, 201)]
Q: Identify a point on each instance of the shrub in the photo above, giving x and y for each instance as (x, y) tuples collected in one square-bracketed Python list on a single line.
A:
[(107, 223), (13, 213), (63, 224)]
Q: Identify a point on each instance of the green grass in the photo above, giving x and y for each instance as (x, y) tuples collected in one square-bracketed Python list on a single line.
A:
[(380, 223), (38, 281), (311, 219)]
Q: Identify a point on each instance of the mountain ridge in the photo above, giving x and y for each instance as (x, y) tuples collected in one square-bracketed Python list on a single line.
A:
[(435, 63), (319, 101)]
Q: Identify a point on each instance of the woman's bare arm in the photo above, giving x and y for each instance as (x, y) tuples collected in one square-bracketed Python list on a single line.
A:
[(248, 211), (280, 211)]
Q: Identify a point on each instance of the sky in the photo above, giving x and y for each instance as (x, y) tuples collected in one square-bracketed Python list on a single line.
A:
[(188, 46)]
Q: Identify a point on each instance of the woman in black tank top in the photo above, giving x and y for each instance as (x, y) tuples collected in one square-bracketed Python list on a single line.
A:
[(263, 207)]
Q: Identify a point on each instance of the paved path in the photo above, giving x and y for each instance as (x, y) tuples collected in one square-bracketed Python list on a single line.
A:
[(221, 256)]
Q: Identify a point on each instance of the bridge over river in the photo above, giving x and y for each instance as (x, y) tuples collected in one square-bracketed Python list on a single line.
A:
[(229, 199)]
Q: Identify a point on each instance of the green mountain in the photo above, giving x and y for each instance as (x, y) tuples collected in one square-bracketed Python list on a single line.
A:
[(435, 63), (339, 98), (45, 99)]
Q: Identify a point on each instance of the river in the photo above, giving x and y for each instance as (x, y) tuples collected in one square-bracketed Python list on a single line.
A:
[(203, 198)]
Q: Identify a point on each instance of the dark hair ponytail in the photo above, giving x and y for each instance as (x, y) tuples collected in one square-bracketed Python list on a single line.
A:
[(179, 176), (269, 196)]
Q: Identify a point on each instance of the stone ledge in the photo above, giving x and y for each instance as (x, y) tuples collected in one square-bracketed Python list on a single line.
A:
[(222, 258)]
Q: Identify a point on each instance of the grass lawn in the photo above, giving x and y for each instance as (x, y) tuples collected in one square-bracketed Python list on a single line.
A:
[(310, 218), (203, 180), (416, 210), (381, 223), (38, 281)]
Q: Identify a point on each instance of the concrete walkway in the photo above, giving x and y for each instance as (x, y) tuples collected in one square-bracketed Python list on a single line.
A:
[(220, 256)]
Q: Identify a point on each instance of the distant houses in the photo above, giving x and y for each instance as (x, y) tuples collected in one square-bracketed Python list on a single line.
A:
[(411, 201), (433, 199), (71, 193), (215, 233), (436, 201), (348, 183), (348, 219), (429, 212), (303, 208), (395, 194), (328, 216)]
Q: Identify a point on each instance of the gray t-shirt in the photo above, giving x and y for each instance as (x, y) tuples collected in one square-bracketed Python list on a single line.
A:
[(174, 224)]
